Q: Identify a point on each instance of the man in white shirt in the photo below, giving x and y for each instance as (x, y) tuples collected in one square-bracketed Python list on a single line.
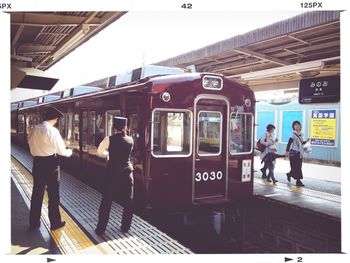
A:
[(46, 143)]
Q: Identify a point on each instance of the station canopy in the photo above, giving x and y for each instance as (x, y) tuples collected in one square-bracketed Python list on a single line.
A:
[(303, 46), (41, 39)]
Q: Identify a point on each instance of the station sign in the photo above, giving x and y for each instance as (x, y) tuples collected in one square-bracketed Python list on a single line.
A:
[(319, 90)]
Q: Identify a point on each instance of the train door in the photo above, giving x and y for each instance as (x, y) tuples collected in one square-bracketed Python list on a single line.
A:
[(210, 158)]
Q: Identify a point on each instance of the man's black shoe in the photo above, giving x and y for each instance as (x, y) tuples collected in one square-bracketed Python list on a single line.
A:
[(59, 225), (124, 229), (99, 231)]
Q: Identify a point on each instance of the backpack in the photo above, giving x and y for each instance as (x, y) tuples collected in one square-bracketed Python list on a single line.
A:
[(259, 146)]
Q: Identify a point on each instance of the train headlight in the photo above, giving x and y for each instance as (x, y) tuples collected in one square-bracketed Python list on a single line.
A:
[(247, 102), (212, 82), (165, 96)]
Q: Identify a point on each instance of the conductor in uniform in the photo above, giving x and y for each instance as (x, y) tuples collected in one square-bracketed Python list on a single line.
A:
[(119, 180), (46, 144)]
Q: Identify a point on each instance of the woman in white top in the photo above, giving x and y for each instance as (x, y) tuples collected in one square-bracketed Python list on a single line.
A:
[(267, 140), (295, 152)]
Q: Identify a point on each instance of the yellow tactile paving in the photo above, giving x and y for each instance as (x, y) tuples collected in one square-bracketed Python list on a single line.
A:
[(301, 190), (83, 202), (69, 239)]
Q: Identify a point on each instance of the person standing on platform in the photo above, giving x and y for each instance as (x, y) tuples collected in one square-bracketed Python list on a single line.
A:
[(46, 144), (295, 152), (267, 140), (119, 179)]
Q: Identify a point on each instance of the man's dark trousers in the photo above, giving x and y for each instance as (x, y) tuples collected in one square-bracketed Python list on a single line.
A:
[(45, 175)]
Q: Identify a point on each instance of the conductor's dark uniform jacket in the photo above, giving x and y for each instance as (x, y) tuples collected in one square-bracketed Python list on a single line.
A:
[(119, 182)]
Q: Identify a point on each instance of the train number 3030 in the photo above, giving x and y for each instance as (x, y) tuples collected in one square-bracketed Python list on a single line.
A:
[(205, 176)]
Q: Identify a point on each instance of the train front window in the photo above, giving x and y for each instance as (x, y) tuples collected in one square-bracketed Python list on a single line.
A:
[(241, 133), (209, 133), (171, 133)]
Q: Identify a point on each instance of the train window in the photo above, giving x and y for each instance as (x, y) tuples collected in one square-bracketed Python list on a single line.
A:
[(133, 126), (241, 133), (109, 117), (62, 126), (28, 123), (171, 133), (36, 119), (69, 119), (31, 120), (13, 122), (85, 127), (76, 129), (209, 132), (99, 128), (84, 130), (20, 123), (92, 128)]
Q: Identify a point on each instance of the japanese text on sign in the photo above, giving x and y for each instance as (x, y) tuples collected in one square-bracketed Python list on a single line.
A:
[(323, 127)]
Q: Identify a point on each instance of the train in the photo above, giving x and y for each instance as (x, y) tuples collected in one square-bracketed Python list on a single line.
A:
[(193, 135)]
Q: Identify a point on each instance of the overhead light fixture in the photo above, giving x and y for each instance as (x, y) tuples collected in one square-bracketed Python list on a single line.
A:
[(84, 30), (68, 45), (273, 72)]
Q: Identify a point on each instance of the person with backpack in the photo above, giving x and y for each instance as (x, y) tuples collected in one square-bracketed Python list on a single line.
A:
[(294, 151), (266, 140)]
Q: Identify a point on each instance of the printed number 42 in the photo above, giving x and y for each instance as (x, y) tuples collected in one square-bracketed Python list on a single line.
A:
[(187, 6)]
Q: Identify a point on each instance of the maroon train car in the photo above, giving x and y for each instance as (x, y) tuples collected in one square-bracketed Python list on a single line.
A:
[(193, 136)]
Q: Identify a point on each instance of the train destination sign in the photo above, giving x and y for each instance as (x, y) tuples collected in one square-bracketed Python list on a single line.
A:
[(319, 90)]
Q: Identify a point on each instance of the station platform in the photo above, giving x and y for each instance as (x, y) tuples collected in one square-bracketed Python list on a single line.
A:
[(79, 208), (321, 193)]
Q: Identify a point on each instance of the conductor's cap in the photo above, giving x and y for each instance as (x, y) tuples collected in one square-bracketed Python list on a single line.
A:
[(52, 113), (119, 123)]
